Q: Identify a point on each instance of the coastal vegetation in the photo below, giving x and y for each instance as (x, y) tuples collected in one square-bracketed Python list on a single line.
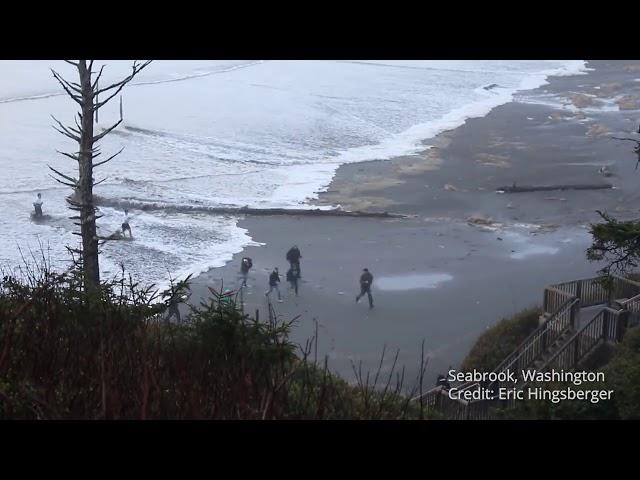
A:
[(619, 363), (71, 353), (495, 344)]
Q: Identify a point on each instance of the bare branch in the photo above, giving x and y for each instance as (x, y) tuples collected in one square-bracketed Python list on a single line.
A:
[(63, 183), (76, 98), (107, 131), (119, 85), (77, 125), (71, 179), (108, 159), (70, 155), (75, 64), (67, 86), (73, 137), (66, 131), (95, 84), (98, 183), (69, 130)]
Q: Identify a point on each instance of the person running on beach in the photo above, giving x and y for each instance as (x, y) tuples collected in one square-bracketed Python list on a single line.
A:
[(274, 279), (125, 224), (293, 257), (245, 266), (37, 205), (292, 278), (366, 280)]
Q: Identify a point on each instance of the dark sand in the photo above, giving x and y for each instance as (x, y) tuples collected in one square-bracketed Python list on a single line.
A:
[(488, 272)]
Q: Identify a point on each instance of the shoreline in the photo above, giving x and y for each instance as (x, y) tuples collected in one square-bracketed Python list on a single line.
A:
[(495, 252)]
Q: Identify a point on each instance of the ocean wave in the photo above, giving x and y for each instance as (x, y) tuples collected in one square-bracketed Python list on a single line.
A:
[(180, 78)]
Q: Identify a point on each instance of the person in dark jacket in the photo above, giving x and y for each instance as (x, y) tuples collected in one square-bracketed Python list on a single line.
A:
[(366, 280), (245, 266), (274, 280), (293, 257), (125, 224), (292, 278), (37, 205)]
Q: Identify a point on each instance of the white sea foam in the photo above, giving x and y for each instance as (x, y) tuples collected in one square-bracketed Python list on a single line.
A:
[(205, 134)]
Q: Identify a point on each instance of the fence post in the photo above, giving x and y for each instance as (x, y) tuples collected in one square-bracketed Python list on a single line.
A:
[(621, 327), (606, 319), (612, 290), (576, 352), (579, 289), (574, 310)]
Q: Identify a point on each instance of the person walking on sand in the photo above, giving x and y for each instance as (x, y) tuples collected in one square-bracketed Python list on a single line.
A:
[(245, 266), (366, 280), (292, 278), (125, 224), (274, 279), (37, 205), (293, 257)]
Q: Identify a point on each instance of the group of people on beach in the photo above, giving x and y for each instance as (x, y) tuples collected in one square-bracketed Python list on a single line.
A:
[(293, 256), (293, 275)]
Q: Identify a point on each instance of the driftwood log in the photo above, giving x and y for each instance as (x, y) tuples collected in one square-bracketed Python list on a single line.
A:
[(123, 204), (544, 188)]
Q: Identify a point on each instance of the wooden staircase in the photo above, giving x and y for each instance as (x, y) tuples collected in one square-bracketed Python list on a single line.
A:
[(562, 341)]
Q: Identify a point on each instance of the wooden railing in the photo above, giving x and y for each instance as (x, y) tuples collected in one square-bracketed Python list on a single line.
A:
[(625, 287), (555, 298), (560, 306), (438, 400), (608, 325), (632, 305), (590, 291), (539, 340)]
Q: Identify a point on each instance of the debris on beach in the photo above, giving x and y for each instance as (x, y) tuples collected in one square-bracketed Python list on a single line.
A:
[(597, 130), (547, 228), (450, 188), (581, 100), (559, 199), (540, 188), (485, 224), (629, 102), (608, 89), (480, 220), (492, 160)]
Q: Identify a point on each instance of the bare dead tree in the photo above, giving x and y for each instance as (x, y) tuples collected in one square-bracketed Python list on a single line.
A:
[(87, 95)]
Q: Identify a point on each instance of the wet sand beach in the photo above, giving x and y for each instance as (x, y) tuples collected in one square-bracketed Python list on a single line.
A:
[(466, 256)]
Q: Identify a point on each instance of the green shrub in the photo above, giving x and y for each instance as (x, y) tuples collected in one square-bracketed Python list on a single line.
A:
[(622, 374), (494, 345), (65, 354)]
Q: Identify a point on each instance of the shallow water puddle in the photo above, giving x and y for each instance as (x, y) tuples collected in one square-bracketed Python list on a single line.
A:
[(530, 250), (411, 281)]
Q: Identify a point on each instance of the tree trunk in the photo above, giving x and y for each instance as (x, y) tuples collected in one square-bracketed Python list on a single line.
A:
[(85, 184)]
